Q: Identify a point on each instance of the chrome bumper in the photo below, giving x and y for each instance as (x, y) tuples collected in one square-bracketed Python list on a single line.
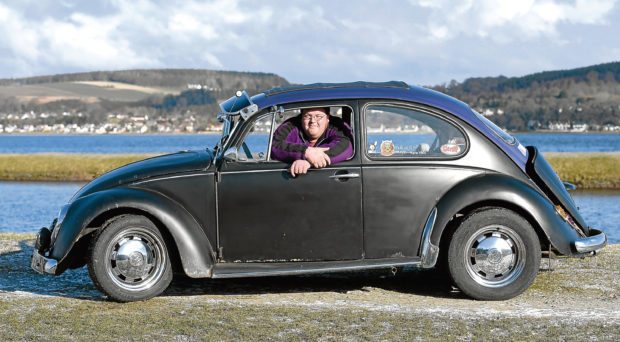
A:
[(597, 240), (42, 264)]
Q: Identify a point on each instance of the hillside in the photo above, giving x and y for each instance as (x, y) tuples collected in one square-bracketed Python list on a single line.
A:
[(546, 100), (579, 99), (177, 97), (176, 79)]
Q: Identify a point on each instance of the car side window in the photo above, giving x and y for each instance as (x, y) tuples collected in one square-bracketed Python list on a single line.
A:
[(396, 132), (341, 117), (255, 146)]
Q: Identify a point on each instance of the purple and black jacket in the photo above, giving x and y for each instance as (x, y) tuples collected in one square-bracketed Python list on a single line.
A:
[(290, 143)]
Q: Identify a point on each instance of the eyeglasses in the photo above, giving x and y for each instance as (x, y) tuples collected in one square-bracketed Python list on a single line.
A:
[(317, 118)]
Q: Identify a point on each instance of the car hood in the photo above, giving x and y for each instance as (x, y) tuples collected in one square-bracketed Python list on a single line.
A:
[(180, 162)]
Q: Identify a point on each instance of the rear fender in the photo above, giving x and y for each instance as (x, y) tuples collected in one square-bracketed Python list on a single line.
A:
[(504, 189), (194, 248)]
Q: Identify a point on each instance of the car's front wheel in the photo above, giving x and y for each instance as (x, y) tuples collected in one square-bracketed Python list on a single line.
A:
[(128, 259), (494, 255)]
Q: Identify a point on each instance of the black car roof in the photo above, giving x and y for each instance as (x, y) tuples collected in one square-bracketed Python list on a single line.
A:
[(361, 84)]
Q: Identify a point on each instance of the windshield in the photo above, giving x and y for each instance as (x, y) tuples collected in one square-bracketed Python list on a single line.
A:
[(500, 132)]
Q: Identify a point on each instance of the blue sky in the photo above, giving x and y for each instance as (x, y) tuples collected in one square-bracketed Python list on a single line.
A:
[(424, 42)]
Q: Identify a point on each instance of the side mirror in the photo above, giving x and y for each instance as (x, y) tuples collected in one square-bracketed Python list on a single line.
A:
[(232, 155)]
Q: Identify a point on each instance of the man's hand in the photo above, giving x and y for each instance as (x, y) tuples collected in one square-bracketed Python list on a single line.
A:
[(316, 157), (299, 167)]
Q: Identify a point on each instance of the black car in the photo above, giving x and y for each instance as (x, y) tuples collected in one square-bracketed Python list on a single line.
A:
[(430, 183)]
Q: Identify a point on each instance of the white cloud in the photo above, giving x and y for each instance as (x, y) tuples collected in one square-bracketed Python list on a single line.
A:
[(421, 41), (212, 60), (510, 20)]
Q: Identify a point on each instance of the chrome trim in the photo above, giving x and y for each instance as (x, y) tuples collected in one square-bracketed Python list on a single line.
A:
[(345, 175), (494, 256), (329, 168), (302, 268), (591, 243), (135, 259), (429, 252), (43, 265)]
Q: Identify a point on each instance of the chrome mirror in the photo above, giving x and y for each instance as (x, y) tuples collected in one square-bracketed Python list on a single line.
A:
[(231, 154)]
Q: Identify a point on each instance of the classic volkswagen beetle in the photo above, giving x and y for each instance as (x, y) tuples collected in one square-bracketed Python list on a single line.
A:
[(430, 183)]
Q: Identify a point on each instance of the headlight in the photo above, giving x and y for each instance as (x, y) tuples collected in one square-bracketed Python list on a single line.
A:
[(61, 217)]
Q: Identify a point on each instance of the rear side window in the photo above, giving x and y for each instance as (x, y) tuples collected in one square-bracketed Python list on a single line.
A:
[(500, 132), (396, 132)]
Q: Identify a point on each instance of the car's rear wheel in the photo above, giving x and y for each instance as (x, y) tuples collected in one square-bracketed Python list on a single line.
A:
[(494, 255), (128, 259)]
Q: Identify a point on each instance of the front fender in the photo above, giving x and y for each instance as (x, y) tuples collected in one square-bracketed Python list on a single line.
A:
[(499, 188), (192, 243)]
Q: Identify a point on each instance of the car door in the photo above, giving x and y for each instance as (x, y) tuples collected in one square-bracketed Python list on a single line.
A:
[(407, 164), (265, 215)]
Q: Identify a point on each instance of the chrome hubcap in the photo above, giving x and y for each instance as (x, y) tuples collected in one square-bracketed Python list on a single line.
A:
[(136, 259), (495, 256)]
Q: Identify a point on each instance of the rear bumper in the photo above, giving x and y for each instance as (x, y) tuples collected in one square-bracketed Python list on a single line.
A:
[(596, 241)]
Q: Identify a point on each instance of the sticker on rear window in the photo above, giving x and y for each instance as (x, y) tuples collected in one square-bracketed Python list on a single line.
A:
[(387, 148), (450, 149)]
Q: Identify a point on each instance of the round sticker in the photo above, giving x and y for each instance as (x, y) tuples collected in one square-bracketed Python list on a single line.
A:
[(387, 148), (450, 149)]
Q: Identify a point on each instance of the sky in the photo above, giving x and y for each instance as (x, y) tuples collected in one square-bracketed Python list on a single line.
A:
[(422, 42)]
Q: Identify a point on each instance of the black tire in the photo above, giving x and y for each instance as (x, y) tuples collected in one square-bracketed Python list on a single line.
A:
[(494, 255), (128, 259)]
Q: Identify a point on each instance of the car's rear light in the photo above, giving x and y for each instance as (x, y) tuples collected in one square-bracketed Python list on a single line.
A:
[(568, 219)]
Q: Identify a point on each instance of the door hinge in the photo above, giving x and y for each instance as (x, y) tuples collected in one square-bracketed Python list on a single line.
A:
[(220, 253)]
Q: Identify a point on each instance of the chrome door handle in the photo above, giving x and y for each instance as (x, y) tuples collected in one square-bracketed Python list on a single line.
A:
[(345, 176)]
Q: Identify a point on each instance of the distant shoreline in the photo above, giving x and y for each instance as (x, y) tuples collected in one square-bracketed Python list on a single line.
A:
[(587, 170)]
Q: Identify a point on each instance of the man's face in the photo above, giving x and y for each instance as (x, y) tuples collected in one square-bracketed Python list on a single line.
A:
[(314, 122)]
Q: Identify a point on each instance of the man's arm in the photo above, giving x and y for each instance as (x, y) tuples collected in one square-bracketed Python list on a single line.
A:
[(286, 145), (339, 143)]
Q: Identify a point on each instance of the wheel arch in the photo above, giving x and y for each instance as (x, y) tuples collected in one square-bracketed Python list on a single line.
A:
[(495, 190), (189, 244)]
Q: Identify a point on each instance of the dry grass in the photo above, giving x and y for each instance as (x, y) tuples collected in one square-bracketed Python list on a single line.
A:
[(587, 170), (61, 167)]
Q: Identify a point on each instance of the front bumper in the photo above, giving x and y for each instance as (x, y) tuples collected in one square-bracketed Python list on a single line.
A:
[(596, 241), (42, 264), (39, 262)]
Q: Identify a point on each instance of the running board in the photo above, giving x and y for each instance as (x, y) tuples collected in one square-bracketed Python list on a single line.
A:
[(255, 269)]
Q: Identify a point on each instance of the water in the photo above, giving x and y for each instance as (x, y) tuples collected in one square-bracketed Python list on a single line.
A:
[(546, 142), (105, 143), (25, 207), (31, 206), (571, 142)]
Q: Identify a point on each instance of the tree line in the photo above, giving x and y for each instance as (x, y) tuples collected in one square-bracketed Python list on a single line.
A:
[(584, 95)]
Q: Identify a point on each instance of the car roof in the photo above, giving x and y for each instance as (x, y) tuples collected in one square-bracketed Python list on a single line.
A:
[(393, 90)]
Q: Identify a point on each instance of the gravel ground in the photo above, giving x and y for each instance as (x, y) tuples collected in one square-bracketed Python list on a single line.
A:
[(578, 300)]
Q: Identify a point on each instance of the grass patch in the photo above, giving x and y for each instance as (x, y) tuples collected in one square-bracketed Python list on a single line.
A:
[(587, 170), (67, 167)]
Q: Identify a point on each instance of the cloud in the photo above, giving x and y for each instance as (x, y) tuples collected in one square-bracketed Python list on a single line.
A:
[(420, 41), (509, 20)]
